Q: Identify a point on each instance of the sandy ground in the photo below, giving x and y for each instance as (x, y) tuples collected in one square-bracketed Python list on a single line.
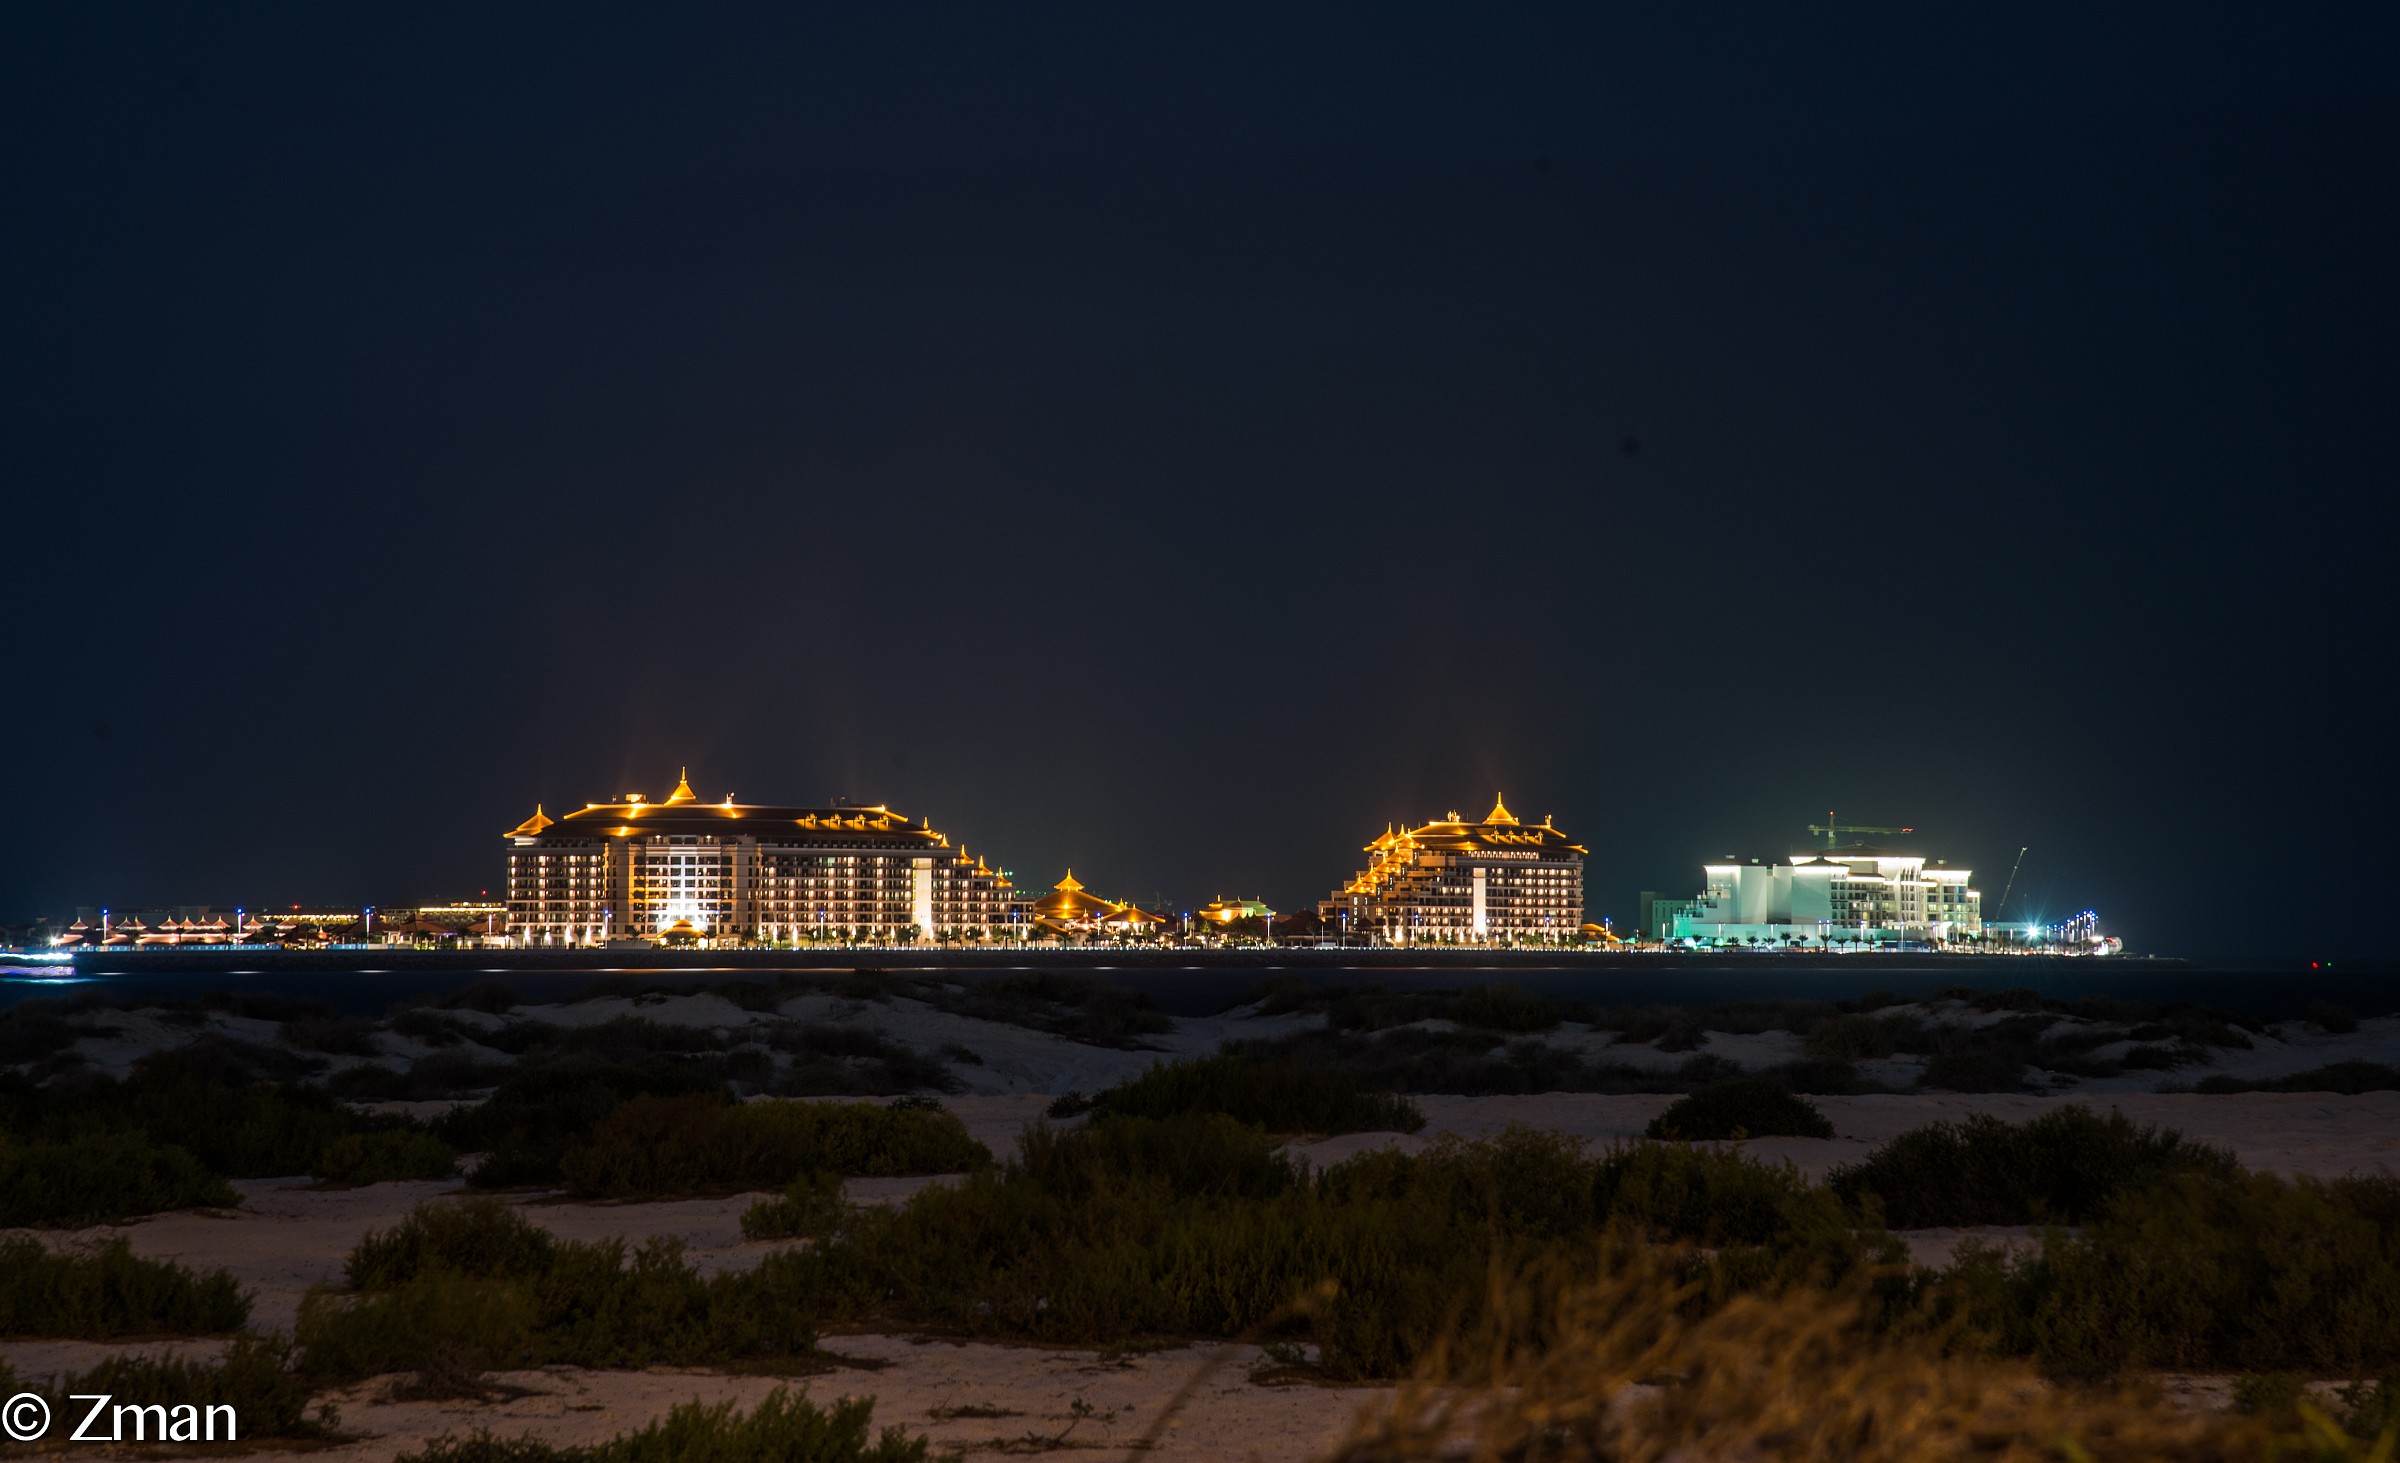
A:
[(972, 1398), (287, 1236)]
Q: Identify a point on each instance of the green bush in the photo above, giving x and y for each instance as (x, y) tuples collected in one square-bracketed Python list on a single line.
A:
[(457, 1290), (103, 1293), (1712, 1196), (658, 1147), (782, 1429), (1977, 1071), (2206, 1272), (33, 1030), (852, 1061), (1282, 1096), (811, 1208), (254, 1378), (196, 1100), (544, 1107), (383, 1157), (2328, 1017), (1195, 1225), (1510, 1008), (1747, 1107), (479, 1239), (2059, 1168), (1861, 1037), (452, 1073), (1071, 1006), (101, 1178)]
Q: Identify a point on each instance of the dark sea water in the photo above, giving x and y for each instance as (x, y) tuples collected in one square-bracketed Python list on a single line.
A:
[(1190, 987)]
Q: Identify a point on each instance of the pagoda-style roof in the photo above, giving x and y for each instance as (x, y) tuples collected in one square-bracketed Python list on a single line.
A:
[(1395, 850), (1069, 900), (682, 812), (1498, 830)]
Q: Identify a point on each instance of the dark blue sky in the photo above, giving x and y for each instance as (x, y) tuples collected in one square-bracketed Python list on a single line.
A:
[(1177, 445)]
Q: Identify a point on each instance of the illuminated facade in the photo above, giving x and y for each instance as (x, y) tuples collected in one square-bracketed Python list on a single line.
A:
[(1069, 910), (1853, 895), (684, 871), (1454, 882)]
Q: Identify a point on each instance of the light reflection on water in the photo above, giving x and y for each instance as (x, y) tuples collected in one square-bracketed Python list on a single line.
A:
[(1194, 988)]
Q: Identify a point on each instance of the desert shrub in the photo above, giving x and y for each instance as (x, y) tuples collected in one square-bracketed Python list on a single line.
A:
[(106, 1292), (33, 1030), (1280, 1096), (338, 1035), (254, 1378), (101, 1178), (1669, 1028), (2059, 1168), (1063, 1005), (1415, 1059), (429, 1027), (2347, 1078), (1196, 1226), (2274, 1393), (654, 1147), (520, 1037), (1746, 1107), (810, 1207), (1975, 1071), (2205, 1271), (192, 1100), (781, 1428), (383, 1157), (1822, 1077), (543, 1108), (440, 1074), (1749, 1018), (1861, 1037), (2161, 1057), (1509, 1007), (1763, 1222), (491, 997), (851, 1061), (2328, 1017), (589, 1305), (631, 1038), (477, 1239)]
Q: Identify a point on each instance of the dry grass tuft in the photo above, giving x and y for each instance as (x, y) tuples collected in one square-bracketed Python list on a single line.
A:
[(1627, 1369)]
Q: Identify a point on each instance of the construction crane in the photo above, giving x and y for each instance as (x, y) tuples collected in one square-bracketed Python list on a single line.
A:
[(1830, 828), (2012, 884)]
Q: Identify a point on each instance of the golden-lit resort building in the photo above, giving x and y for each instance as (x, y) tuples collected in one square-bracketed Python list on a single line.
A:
[(1071, 911), (1459, 883), (681, 871)]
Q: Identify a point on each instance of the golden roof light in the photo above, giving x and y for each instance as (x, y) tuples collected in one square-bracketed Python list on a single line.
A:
[(1500, 812), (683, 790), (532, 825)]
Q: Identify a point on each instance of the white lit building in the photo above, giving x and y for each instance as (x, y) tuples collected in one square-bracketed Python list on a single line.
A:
[(1826, 897)]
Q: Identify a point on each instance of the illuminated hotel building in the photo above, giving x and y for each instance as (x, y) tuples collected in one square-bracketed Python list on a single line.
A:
[(1854, 894), (1454, 882), (735, 873)]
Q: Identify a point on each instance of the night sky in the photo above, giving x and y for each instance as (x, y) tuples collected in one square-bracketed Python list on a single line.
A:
[(1175, 443)]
